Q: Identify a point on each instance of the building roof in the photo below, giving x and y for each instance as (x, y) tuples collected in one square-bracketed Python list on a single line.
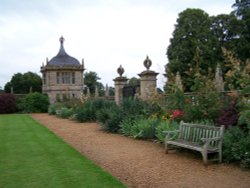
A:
[(62, 58)]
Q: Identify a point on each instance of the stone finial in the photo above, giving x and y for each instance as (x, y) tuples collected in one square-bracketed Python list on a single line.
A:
[(120, 70), (47, 60), (61, 40), (147, 63)]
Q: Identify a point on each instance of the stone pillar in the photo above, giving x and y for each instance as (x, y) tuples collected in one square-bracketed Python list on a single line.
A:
[(147, 81), (120, 82)]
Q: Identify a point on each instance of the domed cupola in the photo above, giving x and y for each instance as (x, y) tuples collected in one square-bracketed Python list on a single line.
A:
[(62, 58)]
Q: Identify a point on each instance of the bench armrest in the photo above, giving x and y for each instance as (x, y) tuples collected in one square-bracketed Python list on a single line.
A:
[(207, 141), (170, 134), (211, 139)]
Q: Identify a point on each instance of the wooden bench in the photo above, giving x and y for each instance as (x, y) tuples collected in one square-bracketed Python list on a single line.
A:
[(202, 138)]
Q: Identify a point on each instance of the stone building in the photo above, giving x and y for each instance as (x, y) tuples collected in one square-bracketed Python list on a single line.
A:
[(62, 76)]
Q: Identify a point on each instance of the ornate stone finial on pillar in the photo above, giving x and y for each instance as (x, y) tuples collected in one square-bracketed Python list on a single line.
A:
[(147, 63), (120, 70), (120, 82), (147, 81), (47, 60), (61, 40)]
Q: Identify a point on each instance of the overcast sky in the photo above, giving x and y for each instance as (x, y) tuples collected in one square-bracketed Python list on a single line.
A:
[(106, 33)]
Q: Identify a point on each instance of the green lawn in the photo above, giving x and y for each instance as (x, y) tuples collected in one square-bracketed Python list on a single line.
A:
[(33, 157)]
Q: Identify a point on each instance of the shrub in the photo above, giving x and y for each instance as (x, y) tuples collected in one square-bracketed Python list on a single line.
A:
[(144, 128), (52, 109), (114, 117), (84, 114), (34, 102), (7, 103), (139, 127), (64, 112), (202, 106), (136, 107), (166, 125), (89, 110), (236, 147), (127, 124), (228, 116)]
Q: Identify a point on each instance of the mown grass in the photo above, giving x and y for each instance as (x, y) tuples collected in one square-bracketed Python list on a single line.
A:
[(33, 157)]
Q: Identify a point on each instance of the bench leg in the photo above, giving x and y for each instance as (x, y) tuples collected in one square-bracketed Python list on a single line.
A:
[(166, 147), (220, 156), (204, 156)]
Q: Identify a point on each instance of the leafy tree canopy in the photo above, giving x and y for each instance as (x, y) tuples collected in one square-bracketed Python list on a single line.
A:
[(91, 81), (192, 32), (22, 83)]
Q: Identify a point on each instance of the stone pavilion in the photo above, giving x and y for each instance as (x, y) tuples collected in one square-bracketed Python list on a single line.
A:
[(62, 76)]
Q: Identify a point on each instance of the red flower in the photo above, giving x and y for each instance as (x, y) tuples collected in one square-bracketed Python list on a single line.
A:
[(176, 114)]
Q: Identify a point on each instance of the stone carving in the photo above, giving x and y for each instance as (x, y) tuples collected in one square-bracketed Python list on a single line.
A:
[(147, 63), (120, 70)]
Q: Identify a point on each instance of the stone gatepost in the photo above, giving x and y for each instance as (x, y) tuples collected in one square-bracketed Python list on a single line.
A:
[(147, 81), (120, 83)]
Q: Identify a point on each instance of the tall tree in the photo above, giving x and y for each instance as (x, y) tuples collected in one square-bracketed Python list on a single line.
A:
[(192, 32), (22, 83), (91, 81), (225, 28), (242, 11)]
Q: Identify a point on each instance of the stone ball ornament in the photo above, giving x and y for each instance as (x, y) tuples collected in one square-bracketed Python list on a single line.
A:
[(120, 70), (147, 63)]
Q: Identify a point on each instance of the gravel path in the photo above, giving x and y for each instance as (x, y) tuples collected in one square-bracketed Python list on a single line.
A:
[(143, 164)]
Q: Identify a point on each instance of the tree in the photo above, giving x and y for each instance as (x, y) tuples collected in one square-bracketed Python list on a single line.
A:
[(22, 83), (192, 32), (91, 81), (242, 11), (134, 82)]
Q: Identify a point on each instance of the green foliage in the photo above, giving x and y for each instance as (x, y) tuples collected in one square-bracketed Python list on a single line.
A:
[(202, 106), (22, 83), (33, 156), (166, 125), (198, 40), (91, 81), (111, 118), (136, 107), (139, 127), (7, 103), (34, 102), (175, 98), (236, 147), (192, 31), (89, 110), (52, 109), (64, 112), (244, 115), (114, 117)]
